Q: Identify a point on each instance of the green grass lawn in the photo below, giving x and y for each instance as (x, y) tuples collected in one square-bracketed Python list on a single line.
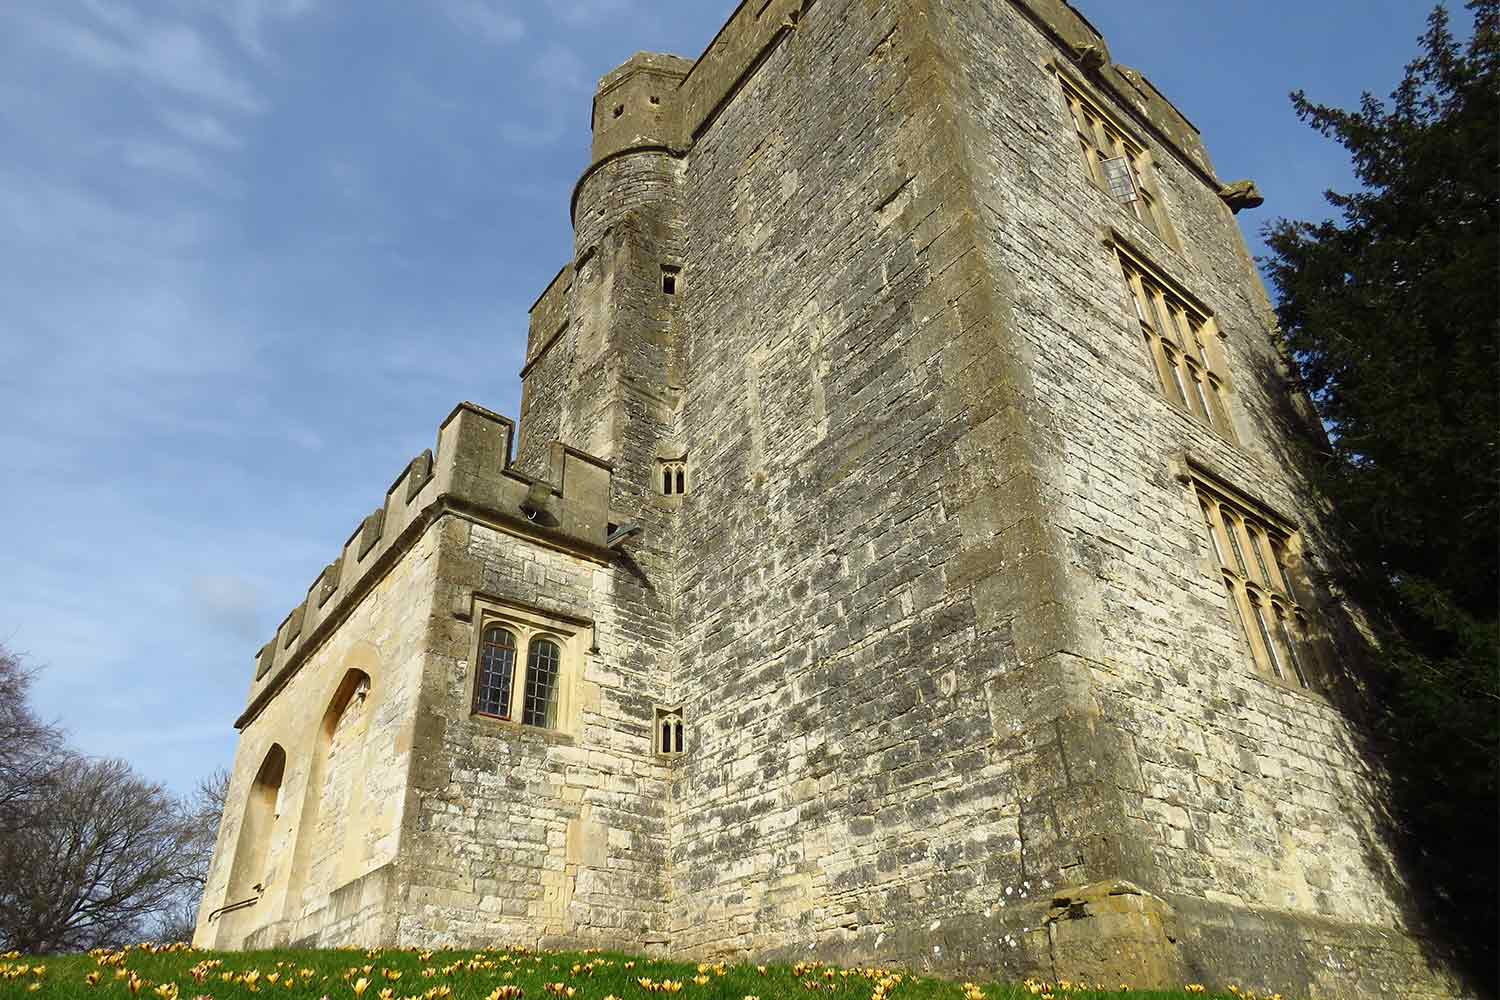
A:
[(178, 973)]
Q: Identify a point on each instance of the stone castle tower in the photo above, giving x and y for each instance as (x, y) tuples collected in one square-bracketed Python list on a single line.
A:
[(906, 554)]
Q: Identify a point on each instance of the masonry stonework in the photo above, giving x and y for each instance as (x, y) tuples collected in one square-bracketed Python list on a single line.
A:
[(959, 680)]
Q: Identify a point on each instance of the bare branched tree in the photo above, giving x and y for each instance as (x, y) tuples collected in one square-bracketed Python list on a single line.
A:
[(90, 853), (29, 747), (106, 853), (201, 814)]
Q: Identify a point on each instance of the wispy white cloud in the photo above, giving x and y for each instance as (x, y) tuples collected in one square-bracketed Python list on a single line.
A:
[(229, 602), (560, 82), (491, 20), (252, 20), (40, 213), (174, 161), (586, 12), (304, 437), (202, 129), (170, 54)]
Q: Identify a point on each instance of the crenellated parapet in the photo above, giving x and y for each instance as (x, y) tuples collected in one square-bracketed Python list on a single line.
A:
[(662, 103), (469, 473), (636, 105)]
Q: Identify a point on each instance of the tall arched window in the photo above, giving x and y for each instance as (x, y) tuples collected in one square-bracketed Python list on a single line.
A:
[(543, 661), (495, 678)]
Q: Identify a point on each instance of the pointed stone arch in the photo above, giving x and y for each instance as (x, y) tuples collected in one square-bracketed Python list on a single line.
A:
[(251, 871), (330, 843)]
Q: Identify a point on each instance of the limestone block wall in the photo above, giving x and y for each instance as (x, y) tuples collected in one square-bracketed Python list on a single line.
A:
[(323, 795), (547, 372), (522, 834), (338, 811), (842, 604), (1244, 794)]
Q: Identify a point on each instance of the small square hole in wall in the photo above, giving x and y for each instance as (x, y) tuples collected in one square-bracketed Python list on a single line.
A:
[(655, 99), (670, 278), (619, 110)]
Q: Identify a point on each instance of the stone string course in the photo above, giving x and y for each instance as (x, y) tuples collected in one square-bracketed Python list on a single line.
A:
[(960, 681)]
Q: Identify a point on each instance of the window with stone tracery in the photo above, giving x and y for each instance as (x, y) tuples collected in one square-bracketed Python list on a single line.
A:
[(1116, 162), (1183, 344), (520, 672), (672, 477), (669, 742), (1256, 559)]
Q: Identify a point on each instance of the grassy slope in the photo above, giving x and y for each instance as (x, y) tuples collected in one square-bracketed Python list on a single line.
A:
[(146, 973)]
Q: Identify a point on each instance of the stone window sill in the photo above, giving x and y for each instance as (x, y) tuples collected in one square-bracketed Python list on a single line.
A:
[(1140, 227), (494, 723), (1312, 694), (1186, 415)]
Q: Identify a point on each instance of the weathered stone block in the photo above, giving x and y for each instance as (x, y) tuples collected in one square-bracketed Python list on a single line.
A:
[(1114, 932)]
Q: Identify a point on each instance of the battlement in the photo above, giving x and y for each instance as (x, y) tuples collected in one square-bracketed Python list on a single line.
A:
[(469, 472), (661, 102)]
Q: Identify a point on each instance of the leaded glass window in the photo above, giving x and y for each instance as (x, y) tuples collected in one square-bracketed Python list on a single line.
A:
[(1260, 593), (543, 662), (1190, 374), (1116, 162), (496, 675)]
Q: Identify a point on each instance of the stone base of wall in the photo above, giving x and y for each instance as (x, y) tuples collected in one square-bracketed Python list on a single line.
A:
[(357, 914), (1114, 933), (1309, 957), (1111, 933)]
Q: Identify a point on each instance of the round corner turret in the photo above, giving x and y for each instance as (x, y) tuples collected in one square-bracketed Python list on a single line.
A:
[(636, 104)]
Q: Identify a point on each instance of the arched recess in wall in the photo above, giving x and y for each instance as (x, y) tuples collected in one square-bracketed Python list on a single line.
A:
[(333, 844), (258, 822)]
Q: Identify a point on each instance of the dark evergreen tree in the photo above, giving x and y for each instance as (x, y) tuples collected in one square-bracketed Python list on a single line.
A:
[(1392, 318)]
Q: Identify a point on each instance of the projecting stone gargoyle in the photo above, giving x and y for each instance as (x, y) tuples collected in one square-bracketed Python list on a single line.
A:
[(1241, 194), (1090, 57)]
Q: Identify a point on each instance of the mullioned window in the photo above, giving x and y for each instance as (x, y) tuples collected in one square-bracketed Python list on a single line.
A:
[(1257, 561), (523, 662), (1117, 162), (1183, 343)]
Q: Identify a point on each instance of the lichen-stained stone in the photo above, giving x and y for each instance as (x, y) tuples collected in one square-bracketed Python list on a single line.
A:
[(1114, 932), (959, 682)]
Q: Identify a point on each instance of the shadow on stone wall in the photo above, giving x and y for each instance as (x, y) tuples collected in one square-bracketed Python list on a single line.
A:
[(1354, 681)]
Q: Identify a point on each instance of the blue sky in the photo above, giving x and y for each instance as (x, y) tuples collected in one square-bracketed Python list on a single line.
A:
[(253, 251)]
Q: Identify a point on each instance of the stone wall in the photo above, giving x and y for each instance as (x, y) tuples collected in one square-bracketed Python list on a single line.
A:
[(318, 844), (324, 857), (1245, 795), (960, 682), (844, 789), (521, 834), (546, 374)]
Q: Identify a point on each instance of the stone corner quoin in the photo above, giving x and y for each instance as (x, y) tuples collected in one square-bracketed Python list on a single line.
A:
[(905, 553)]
